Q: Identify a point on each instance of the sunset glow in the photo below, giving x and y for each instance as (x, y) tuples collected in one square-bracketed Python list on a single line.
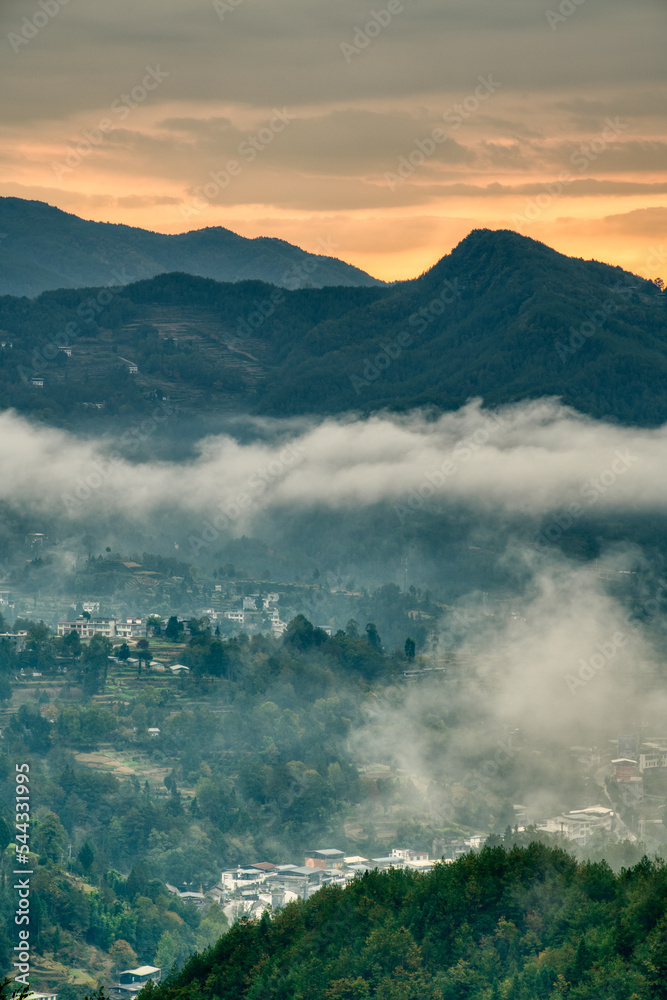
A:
[(389, 149)]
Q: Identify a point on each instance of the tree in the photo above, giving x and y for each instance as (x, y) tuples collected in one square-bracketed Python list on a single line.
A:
[(6, 834), (49, 838), (302, 634), (216, 658), (348, 989), (123, 651), (172, 629), (72, 644), (212, 927), (373, 638), (165, 956), (86, 856), (5, 689), (195, 626), (155, 623), (8, 991), (123, 954), (409, 648), (95, 663), (352, 629), (143, 653)]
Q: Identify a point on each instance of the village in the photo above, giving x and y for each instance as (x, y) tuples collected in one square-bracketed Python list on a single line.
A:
[(613, 792)]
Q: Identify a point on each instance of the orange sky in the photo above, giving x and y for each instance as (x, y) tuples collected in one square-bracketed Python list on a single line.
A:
[(385, 140)]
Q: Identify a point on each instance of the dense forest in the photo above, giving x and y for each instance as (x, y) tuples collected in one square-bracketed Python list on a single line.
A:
[(521, 923), (502, 317)]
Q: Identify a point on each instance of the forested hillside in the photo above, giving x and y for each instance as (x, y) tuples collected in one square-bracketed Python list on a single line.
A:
[(524, 923), (502, 317), (139, 779)]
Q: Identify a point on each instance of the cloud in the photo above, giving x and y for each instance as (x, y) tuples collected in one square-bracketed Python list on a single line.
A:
[(525, 459), (558, 663), (559, 660), (647, 222)]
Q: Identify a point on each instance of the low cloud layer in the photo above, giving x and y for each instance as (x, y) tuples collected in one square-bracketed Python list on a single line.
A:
[(531, 458)]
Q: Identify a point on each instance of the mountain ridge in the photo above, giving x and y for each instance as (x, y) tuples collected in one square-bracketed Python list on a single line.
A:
[(44, 248), (502, 318)]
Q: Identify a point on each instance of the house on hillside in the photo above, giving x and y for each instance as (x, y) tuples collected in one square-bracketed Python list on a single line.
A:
[(301, 881), (235, 616), (131, 981), (406, 855), (217, 893), (132, 368), (197, 898), (87, 627), (579, 824), (327, 859), (131, 628)]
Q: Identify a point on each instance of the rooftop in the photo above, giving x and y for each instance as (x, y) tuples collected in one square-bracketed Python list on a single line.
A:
[(327, 852)]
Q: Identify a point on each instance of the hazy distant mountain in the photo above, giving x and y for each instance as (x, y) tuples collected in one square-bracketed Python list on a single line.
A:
[(502, 317), (42, 247)]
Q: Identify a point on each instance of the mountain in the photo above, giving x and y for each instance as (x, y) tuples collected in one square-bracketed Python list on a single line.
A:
[(42, 247), (502, 317)]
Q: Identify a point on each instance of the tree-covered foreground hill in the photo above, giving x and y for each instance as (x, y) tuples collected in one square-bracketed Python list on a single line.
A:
[(522, 924)]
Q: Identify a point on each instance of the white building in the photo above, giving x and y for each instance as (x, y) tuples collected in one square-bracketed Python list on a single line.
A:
[(580, 824), (129, 628), (652, 757), (407, 855), (88, 627)]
